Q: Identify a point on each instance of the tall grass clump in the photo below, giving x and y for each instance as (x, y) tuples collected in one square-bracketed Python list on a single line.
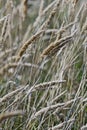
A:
[(43, 65)]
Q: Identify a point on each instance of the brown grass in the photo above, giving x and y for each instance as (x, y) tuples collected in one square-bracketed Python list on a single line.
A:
[(43, 65)]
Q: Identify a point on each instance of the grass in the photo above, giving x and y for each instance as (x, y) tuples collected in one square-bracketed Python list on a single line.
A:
[(43, 69)]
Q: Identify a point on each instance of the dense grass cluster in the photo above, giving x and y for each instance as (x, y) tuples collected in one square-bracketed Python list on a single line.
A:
[(43, 65)]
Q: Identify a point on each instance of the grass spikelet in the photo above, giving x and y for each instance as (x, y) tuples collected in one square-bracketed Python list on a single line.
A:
[(26, 44), (25, 7), (57, 45)]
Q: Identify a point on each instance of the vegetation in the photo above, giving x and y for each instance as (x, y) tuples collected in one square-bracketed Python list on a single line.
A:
[(43, 65)]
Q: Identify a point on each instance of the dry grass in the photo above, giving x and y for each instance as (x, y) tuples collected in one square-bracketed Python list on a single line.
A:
[(43, 65)]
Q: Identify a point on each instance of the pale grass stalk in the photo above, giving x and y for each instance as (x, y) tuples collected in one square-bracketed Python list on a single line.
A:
[(57, 97), (44, 12), (84, 28), (7, 52), (53, 12), (43, 110), (58, 127), (84, 127), (67, 105), (57, 106), (40, 13), (53, 31), (10, 94), (59, 31), (77, 18), (83, 15), (2, 19), (6, 115), (85, 100), (25, 38), (41, 7), (62, 30), (41, 86), (45, 85), (11, 60), (48, 84), (67, 26), (4, 29), (10, 65), (49, 6)]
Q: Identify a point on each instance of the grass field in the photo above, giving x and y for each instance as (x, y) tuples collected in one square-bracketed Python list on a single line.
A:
[(43, 65)]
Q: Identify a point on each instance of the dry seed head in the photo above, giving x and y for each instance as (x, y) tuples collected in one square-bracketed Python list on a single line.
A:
[(27, 43), (56, 45), (25, 7), (47, 50)]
